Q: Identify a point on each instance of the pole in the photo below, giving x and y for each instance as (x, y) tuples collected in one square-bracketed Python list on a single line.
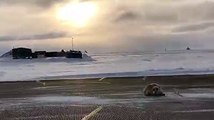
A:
[(72, 43)]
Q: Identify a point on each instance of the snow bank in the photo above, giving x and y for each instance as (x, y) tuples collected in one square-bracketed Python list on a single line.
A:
[(108, 65)]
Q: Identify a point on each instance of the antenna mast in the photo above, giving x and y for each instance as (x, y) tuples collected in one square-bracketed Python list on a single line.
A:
[(72, 43)]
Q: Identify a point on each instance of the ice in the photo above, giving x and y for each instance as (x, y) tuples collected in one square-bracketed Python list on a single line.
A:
[(108, 65)]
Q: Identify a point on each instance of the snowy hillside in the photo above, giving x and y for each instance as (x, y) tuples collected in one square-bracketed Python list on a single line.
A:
[(109, 65), (7, 54)]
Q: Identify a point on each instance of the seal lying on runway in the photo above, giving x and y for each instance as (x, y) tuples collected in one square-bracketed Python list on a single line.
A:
[(153, 89)]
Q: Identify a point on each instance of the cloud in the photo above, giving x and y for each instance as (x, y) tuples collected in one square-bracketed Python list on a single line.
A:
[(127, 16), (160, 17), (194, 27), (147, 14), (116, 20), (200, 11), (50, 35), (41, 3)]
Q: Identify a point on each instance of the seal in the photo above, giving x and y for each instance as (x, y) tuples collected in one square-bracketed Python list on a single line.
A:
[(153, 89)]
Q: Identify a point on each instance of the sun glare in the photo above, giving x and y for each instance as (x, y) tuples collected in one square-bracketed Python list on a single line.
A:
[(78, 13)]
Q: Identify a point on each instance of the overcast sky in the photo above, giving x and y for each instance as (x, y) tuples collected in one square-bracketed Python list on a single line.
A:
[(118, 25)]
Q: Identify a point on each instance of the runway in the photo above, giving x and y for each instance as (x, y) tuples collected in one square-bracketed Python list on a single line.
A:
[(108, 99)]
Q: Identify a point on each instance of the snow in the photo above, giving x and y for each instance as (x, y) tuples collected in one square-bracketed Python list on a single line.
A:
[(109, 65)]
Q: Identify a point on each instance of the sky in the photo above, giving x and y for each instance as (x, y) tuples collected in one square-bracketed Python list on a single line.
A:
[(107, 25)]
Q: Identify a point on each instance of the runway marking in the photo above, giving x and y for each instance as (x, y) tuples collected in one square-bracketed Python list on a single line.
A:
[(87, 117), (43, 83), (102, 78)]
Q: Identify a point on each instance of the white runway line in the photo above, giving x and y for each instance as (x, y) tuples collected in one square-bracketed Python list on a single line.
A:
[(102, 78), (43, 83), (87, 117)]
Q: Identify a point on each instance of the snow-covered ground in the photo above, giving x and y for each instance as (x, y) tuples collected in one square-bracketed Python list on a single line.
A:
[(109, 65)]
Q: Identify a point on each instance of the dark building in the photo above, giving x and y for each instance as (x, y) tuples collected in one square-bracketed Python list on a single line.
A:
[(26, 53), (74, 54), (21, 53), (39, 54), (34, 55), (51, 54), (61, 54)]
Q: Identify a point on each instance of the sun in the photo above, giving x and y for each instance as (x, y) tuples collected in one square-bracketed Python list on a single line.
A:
[(76, 13)]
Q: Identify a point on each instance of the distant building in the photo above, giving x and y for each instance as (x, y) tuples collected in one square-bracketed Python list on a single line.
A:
[(26, 53), (21, 53), (62, 53), (74, 54), (51, 54), (40, 54)]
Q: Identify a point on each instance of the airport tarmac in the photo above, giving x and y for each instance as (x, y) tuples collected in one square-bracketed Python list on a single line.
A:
[(187, 98)]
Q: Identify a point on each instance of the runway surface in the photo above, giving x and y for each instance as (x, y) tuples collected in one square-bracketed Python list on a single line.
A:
[(187, 98)]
